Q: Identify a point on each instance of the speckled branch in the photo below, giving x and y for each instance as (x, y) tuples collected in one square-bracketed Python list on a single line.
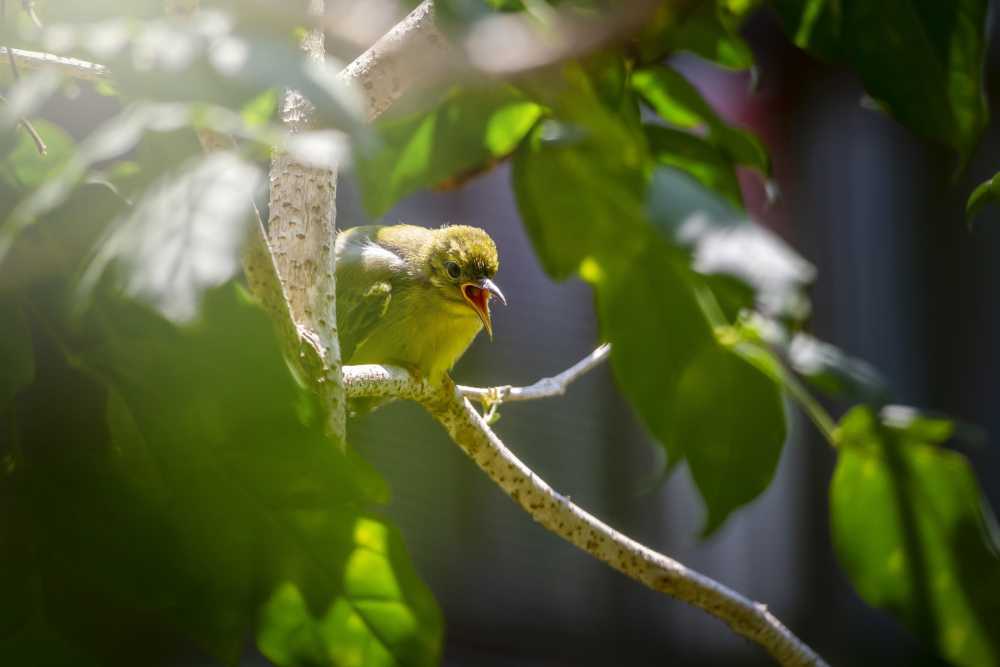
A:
[(561, 516), (413, 51), (301, 229)]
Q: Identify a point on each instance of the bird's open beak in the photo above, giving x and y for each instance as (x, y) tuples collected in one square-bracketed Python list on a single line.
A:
[(478, 295)]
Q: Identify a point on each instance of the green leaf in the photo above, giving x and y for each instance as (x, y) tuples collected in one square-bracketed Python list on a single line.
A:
[(985, 193), (468, 130), (704, 33), (192, 492), (652, 301), (574, 197), (911, 529), (921, 59), (184, 236), (732, 438), (25, 166), (697, 157), (679, 103), (17, 356)]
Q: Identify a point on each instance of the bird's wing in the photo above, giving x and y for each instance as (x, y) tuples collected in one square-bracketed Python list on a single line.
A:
[(364, 286)]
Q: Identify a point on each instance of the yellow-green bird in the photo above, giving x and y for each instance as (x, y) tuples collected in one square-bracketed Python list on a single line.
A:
[(412, 296)]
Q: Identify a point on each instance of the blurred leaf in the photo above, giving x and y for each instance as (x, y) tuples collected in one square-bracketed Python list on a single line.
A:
[(17, 357), (62, 240), (985, 193), (834, 373), (679, 103), (373, 624), (724, 241), (25, 166), (173, 495), (911, 530), (184, 236), (921, 59), (697, 157), (469, 128), (203, 58), (704, 33)]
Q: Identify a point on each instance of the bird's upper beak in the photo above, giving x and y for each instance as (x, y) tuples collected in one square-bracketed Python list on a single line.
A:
[(478, 295)]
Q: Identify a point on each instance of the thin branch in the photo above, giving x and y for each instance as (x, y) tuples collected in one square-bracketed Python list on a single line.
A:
[(561, 516), (24, 122), (71, 67), (545, 388), (29, 8)]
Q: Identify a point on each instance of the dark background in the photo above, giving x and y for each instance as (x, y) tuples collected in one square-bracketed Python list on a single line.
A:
[(902, 283)]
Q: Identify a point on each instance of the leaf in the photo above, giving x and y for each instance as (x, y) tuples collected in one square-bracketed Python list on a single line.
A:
[(704, 33), (184, 236), (657, 330), (724, 241), (732, 439), (570, 192), (985, 193), (173, 494), (470, 128), (679, 103), (697, 157), (17, 356), (25, 166), (921, 59), (911, 529)]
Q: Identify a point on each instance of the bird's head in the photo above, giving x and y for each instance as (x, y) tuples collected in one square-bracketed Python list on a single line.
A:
[(462, 262)]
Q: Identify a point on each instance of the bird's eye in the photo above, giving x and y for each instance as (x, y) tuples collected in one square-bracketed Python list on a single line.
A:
[(452, 269)]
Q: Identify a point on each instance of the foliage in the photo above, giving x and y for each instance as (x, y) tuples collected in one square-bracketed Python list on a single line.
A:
[(157, 478)]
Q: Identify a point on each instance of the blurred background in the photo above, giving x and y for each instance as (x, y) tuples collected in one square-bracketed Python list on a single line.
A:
[(902, 283)]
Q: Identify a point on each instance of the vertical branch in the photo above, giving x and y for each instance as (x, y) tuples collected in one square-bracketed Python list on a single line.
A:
[(302, 228)]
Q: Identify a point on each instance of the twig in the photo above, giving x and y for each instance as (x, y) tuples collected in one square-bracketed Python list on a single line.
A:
[(561, 516), (71, 67), (545, 388), (24, 122), (29, 8)]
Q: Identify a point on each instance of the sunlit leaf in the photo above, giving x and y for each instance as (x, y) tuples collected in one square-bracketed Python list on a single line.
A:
[(679, 103), (911, 529), (184, 235), (469, 129)]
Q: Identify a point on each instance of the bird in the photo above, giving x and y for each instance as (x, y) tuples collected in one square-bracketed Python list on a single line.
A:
[(413, 296)]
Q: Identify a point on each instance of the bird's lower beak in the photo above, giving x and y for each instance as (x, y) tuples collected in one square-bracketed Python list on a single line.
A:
[(478, 295)]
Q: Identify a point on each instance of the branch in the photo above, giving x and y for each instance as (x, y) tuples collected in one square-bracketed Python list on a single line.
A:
[(71, 67), (301, 227), (545, 388), (561, 516)]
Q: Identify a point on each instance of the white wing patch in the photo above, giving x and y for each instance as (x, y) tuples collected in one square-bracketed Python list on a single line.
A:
[(375, 257)]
